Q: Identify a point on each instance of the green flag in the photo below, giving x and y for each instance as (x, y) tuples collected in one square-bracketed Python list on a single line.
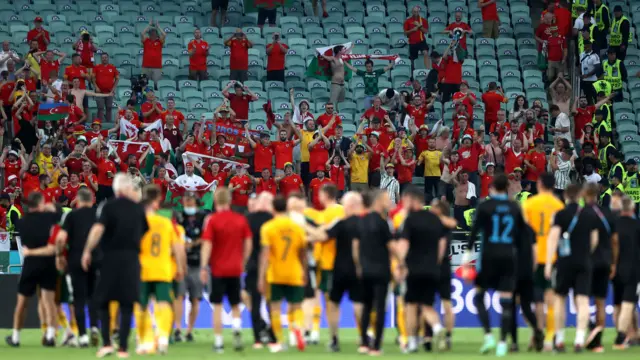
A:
[(320, 69), (53, 111)]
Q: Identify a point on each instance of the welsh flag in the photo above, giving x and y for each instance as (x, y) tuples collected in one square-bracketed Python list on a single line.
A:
[(52, 112), (204, 160), (125, 148), (127, 129), (255, 5), (320, 69)]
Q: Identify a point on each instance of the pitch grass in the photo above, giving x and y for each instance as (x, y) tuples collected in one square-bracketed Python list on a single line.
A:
[(466, 343)]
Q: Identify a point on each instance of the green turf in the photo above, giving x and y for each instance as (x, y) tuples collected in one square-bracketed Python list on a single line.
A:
[(466, 343)]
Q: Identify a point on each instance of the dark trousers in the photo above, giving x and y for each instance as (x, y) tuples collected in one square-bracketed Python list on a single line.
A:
[(447, 91), (374, 291), (305, 173), (430, 188), (83, 284), (257, 323), (589, 91), (458, 214), (104, 193), (374, 179), (524, 290)]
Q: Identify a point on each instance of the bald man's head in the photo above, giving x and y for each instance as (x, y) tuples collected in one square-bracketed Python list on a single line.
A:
[(352, 203), (264, 202)]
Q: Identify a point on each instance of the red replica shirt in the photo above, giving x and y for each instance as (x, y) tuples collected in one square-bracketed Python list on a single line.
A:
[(88, 179), (314, 186), (469, 157), (485, 182), (223, 151), (421, 143), (262, 157), (221, 177), (336, 173), (76, 72), (239, 58), (30, 183), (284, 152), (582, 118), (71, 192), (152, 53), (5, 92), (268, 186), (544, 31), (417, 36), (198, 60), (318, 156), (42, 45), (227, 231), (106, 76), (49, 194), (405, 172), (275, 60), (385, 136), (104, 166), (539, 160), (238, 199), (538, 131), (85, 50), (47, 67), (460, 26), (324, 119), (290, 184), (240, 105), (374, 160), (555, 48), (146, 107), (452, 71), (12, 168), (466, 102), (373, 113), (74, 165), (419, 113), (513, 160), (492, 103), (31, 84), (178, 117), (490, 12), (163, 184)]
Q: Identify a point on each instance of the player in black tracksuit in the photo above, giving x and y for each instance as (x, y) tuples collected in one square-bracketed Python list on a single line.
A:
[(524, 291), (500, 223)]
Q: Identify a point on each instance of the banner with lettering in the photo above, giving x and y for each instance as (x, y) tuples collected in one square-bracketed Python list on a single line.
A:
[(234, 131)]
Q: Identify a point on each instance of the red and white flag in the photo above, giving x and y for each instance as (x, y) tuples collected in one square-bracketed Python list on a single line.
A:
[(204, 160), (127, 129), (126, 148)]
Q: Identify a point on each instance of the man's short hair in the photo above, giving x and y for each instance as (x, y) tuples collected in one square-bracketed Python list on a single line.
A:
[(368, 62), (369, 198), (591, 190), (554, 107), (337, 49), (547, 180), (151, 193), (500, 182), (84, 195), (413, 193), (34, 200), (279, 204), (571, 192), (330, 190), (222, 196)]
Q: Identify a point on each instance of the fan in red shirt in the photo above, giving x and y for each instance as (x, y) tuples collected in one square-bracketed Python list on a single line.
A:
[(221, 149), (227, 232), (263, 153), (384, 134), (486, 178), (31, 179), (375, 111), (88, 177), (266, 183), (161, 181), (276, 53), (461, 131), (85, 48), (337, 172), (96, 131), (283, 149), (545, 29), (530, 122), (44, 189), (329, 117), (405, 164), (376, 150), (13, 188), (239, 47), (536, 161), (6, 88), (556, 54), (106, 172), (421, 139), (418, 110), (514, 157), (582, 115), (49, 63), (465, 97), (415, 29), (493, 100), (39, 34), (213, 173), (315, 185), (291, 182), (76, 71), (470, 152), (12, 163), (151, 109), (240, 186), (178, 117), (198, 52), (459, 28), (562, 17), (71, 191), (239, 101), (490, 18), (152, 43), (105, 77), (318, 151), (452, 69)]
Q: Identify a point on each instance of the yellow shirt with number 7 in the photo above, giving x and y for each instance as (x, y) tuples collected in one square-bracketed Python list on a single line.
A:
[(286, 244)]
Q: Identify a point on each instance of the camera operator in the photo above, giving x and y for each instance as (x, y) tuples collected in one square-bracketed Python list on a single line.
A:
[(85, 48), (276, 52)]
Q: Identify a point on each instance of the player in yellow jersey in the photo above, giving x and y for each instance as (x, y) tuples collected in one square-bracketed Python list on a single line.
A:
[(157, 249), (401, 321), (283, 270), (539, 211)]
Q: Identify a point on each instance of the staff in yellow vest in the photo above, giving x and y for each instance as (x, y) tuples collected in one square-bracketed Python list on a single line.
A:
[(578, 7), (620, 36), (616, 170), (586, 33), (605, 193), (615, 73), (603, 153), (603, 23), (631, 185), (601, 121), (13, 214)]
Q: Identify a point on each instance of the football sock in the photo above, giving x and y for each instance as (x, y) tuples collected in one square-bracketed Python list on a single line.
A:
[(551, 325), (62, 320), (298, 318), (236, 324), (374, 317), (276, 324), (507, 318), (290, 318), (483, 314), (113, 315), (401, 321), (514, 322), (126, 313), (141, 319), (317, 314), (560, 337), (580, 335), (15, 336), (74, 325), (50, 333), (164, 319), (43, 327)]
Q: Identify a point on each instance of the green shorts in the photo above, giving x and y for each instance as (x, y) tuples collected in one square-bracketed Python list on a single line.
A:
[(161, 291), (539, 280), (293, 294), (326, 277), (175, 287)]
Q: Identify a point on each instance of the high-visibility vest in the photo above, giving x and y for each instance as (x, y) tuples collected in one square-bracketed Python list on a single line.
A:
[(607, 192), (613, 170), (602, 86), (602, 156), (428, 207), (632, 188), (612, 74), (615, 36), (606, 121), (578, 5), (468, 216), (620, 188), (581, 39), (10, 226), (599, 18), (522, 196)]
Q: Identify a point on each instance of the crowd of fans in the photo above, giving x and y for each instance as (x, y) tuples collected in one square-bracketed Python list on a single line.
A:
[(400, 139)]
